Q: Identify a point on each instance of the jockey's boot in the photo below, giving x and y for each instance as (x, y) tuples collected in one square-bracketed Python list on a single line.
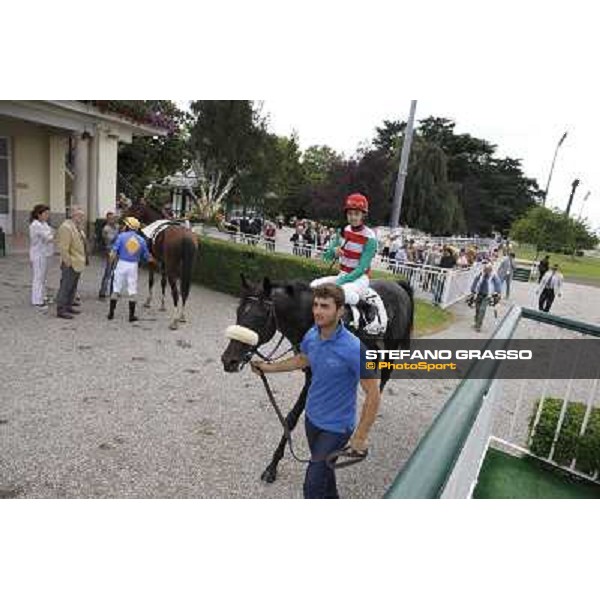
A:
[(355, 323), (132, 317), (111, 310), (378, 324)]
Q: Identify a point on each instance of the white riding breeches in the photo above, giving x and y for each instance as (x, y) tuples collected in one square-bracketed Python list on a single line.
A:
[(353, 291), (125, 276), (39, 265)]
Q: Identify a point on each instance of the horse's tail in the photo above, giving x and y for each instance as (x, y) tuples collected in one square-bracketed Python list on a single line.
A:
[(408, 289), (188, 254)]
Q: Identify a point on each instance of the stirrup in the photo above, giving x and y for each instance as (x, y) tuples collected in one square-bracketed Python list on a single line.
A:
[(374, 327), (355, 317)]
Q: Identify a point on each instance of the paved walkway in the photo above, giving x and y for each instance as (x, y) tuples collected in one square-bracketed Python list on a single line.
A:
[(92, 408)]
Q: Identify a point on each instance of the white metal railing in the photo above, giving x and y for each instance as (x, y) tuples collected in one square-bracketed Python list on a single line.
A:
[(443, 287), (465, 473), (531, 400)]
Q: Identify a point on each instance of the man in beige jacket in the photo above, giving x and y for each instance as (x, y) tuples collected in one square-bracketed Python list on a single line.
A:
[(71, 244)]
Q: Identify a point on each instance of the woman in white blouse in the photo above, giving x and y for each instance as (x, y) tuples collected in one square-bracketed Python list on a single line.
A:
[(41, 247)]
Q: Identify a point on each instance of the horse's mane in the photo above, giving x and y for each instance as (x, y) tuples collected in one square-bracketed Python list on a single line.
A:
[(298, 285)]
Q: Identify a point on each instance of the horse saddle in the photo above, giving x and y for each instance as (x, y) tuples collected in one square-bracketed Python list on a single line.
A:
[(150, 232)]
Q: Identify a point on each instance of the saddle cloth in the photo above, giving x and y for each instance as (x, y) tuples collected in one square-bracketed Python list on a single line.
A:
[(152, 230), (367, 313)]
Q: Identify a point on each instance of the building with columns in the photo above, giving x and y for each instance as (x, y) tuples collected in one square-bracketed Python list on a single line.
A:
[(60, 153)]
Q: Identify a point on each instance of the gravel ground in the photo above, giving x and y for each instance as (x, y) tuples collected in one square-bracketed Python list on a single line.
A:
[(97, 409)]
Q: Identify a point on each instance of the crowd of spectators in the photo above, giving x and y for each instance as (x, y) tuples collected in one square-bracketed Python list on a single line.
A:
[(427, 252)]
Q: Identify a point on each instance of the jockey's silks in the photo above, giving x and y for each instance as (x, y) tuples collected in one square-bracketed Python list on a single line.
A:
[(131, 247)]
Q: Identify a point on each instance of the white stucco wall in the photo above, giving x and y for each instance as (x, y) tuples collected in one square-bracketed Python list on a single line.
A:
[(39, 132), (38, 174), (29, 169)]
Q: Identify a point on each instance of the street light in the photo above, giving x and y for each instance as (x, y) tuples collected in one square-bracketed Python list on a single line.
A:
[(574, 185), (582, 203), (562, 139), (403, 168)]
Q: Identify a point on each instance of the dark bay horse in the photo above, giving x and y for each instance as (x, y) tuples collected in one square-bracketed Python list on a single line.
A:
[(174, 249), (287, 307)]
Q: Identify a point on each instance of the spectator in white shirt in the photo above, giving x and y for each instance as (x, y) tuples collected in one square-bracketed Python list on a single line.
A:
[(41, 246), (550, 285)]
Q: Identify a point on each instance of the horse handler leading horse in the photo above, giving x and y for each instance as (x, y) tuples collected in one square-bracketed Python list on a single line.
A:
[(334, 356)]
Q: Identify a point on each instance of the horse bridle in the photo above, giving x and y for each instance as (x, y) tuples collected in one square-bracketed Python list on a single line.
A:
[(333, 459), (255, 349)]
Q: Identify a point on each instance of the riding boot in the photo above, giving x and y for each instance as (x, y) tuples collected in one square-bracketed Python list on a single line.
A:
[(362, 308), (111, 310), (132, 317), (378, 325)]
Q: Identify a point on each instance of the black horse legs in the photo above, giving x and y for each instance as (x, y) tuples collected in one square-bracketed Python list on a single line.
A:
[(270, 473)]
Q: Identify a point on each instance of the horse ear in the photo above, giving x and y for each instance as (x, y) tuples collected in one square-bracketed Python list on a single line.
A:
[(267, 287), (245, 284)]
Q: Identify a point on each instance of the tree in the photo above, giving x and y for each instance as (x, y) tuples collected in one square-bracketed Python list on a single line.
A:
[(552, 231), (492, 191), (229, 143), (149, 159), (317, 162), (287, 177), (430, 203)]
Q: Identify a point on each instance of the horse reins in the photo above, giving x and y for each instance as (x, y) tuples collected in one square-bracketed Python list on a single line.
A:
[(331, 459)]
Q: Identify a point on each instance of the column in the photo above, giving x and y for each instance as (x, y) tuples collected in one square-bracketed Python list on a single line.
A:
[(81, 166), (108, 146), (56, 179)]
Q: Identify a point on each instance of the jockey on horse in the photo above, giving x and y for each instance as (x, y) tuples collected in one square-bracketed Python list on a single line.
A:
[(355, 250)]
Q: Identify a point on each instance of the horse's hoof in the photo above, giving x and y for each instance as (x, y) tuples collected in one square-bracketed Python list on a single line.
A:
[(162, 309), (173, 325), (269, 475), (182, 319), (147, 304)]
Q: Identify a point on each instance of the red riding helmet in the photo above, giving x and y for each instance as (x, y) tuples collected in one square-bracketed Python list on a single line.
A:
[(356, 202)]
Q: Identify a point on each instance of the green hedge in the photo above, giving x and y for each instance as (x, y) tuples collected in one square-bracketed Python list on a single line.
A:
[(569, 445), (220, 264)]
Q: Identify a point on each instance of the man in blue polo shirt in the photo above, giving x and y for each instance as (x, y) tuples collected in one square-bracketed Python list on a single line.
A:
[(334, 356)]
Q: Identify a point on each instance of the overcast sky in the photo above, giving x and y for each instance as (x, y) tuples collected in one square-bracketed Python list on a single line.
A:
[(529, 130)]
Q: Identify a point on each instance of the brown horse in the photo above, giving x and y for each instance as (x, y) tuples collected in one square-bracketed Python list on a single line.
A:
[(174, 249)]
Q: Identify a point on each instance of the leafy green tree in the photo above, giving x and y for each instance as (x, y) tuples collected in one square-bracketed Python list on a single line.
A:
[(493, 192), (430, 203), (229, 144), (149, 159), (552, 231), (317, 162)]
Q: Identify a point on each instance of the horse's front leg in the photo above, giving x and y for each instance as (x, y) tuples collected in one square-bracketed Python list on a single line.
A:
[(148, 302), (269, 475)]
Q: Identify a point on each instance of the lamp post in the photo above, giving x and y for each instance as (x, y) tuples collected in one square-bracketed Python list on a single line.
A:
[(403, 168), (562, 139), (574, 185), (582, 203)]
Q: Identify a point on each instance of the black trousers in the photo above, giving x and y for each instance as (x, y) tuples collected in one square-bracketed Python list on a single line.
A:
[(546, 300), (68, 288)]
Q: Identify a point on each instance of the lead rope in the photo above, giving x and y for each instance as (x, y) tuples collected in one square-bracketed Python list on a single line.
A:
[(332, 459)]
